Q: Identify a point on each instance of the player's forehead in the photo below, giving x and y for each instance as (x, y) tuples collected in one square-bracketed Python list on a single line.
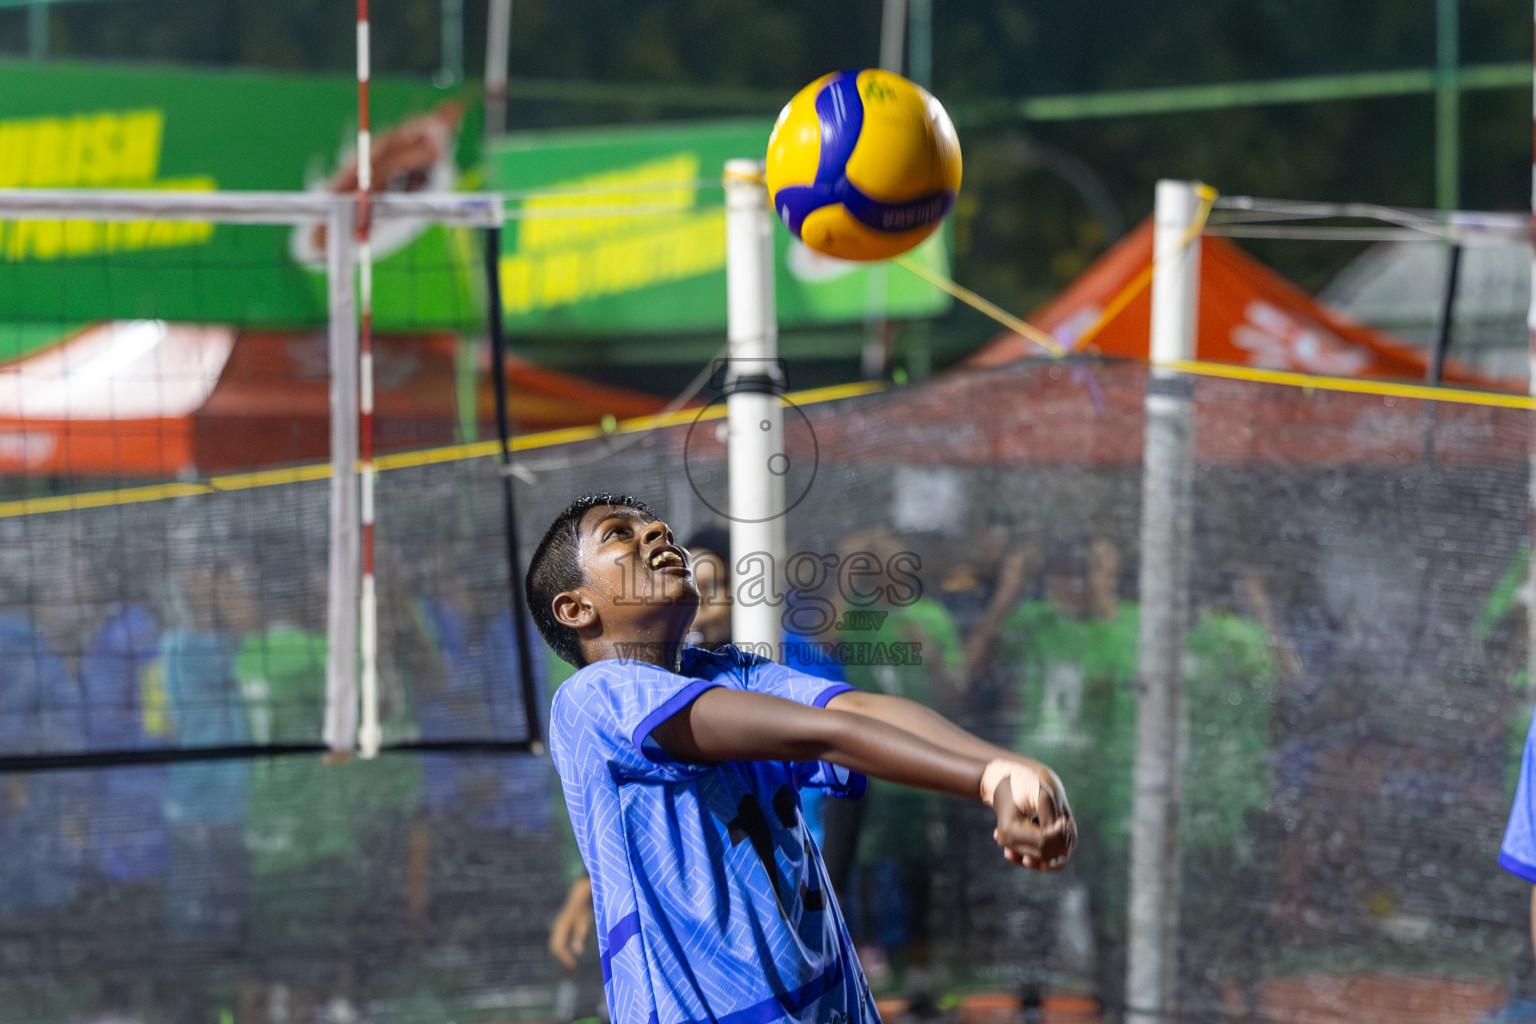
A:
[(598, 516)]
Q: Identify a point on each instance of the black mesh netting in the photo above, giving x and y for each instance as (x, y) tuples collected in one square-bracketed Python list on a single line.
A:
[(1354, 707)]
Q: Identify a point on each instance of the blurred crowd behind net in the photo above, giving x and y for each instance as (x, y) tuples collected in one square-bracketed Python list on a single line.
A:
[(1354, 707)]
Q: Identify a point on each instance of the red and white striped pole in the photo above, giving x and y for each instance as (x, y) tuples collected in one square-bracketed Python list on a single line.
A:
[(368, 619)]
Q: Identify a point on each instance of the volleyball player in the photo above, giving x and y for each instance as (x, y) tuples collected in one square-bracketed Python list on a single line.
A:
[(681, 768)]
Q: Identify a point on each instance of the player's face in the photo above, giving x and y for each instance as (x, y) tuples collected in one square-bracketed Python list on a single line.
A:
[(634, 563)]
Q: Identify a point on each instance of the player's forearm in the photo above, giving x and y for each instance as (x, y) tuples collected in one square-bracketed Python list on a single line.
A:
[(923, 722), (886, 751), (729, 725)]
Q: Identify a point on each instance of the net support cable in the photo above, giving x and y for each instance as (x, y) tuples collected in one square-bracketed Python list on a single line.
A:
[(1253, 217)]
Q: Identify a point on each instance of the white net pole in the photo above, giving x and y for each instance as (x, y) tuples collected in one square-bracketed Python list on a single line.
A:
[(344, 565), (754, 414), (1167, 484)]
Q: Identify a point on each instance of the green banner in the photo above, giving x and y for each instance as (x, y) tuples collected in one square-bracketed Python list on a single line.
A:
[(625, 233), (75, 126)]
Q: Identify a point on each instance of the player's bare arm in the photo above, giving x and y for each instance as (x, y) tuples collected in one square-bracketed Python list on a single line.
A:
[(922, 721), (569, 930), (732, 725)]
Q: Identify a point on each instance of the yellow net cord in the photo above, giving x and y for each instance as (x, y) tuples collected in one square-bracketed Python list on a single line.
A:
[(1111, 310)]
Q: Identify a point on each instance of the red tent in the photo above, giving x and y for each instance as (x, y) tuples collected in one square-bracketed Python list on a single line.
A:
[(155, 399), (1249, 316), (1055, 415)]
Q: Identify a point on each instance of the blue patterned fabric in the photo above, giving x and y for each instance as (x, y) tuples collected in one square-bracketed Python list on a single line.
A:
[(711, 898), (1517, 855)]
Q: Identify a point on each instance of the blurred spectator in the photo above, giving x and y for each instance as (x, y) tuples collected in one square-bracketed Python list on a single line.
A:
[(43, 815), (900, 641), (206, 801), (476, 804), (1074, 654), (1508, 606), (314, 877), (123, 686)]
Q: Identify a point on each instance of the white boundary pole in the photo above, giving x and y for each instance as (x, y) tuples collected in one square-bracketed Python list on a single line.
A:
[(344, 569), (1167, 485), (754, 414)]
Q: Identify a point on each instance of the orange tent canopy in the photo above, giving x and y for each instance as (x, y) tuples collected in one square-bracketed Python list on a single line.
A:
[(1248, 315), (153, 399)]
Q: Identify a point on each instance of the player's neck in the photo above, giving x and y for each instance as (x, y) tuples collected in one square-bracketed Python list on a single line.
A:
[(662, 647), (667, 656)]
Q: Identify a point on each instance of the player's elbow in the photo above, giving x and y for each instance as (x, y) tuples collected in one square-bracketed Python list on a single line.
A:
[(858, 702)]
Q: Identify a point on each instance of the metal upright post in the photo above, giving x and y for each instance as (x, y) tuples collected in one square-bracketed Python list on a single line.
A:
[(498, 32), (450, 36), (893, 34), (920, 42), (875, 359), (1435, 371), (527, 643), (344, 570), (754, 415), (37, 30), (1167, 486), (1447, 105)]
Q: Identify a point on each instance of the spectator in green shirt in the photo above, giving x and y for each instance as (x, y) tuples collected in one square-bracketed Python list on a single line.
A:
[(1073, 654), (893, 639)]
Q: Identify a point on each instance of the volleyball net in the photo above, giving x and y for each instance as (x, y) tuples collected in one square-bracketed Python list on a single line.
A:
[(1353, 689)]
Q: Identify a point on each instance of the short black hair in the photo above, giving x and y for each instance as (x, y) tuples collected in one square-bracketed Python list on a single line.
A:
[(556, 567)]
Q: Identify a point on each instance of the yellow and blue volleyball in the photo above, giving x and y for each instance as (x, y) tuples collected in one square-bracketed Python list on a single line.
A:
[(863, 165)]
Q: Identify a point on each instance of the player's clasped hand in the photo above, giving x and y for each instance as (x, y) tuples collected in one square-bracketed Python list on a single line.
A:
[(1035, 825)]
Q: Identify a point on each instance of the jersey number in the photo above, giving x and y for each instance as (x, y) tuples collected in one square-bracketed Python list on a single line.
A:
[(752, 824)]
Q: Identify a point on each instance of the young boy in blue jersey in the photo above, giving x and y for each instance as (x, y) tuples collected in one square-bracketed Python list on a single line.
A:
[(681, 769), (1517, 855)]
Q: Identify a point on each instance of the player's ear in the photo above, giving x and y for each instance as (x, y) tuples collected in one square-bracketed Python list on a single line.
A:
[(574, 609)]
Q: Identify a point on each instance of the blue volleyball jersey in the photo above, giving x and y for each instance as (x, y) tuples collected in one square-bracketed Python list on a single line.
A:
[(712, 902), (1518, 853)]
